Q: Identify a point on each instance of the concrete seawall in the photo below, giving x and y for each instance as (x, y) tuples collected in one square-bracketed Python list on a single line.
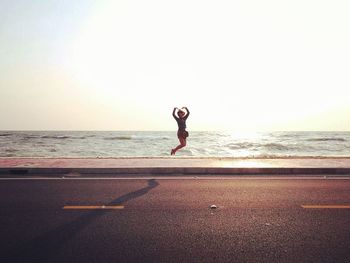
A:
[(175, 166)]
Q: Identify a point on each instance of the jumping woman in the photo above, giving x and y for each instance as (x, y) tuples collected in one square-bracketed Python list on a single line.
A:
[(182, 134)]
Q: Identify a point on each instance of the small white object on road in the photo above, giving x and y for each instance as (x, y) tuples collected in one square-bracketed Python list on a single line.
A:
[(213, 207)]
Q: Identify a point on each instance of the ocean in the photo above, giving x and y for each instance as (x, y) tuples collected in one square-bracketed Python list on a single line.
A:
[(159, 143)]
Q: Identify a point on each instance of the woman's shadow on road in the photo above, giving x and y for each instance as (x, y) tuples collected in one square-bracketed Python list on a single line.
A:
[(47, 245)]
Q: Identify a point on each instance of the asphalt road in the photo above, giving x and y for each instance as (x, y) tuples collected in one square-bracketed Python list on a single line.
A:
[(169, 220)]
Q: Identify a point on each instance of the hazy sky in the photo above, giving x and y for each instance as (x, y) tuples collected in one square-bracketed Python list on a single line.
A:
[(123, 65)]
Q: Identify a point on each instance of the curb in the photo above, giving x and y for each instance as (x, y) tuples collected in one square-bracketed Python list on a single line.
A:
[(178, 171)]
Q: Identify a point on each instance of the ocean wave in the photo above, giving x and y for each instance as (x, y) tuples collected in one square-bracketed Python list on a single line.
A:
[(62, 137), (28, 137), (54, 137), (8, 155), (273, 156), (276, 146), (11, 150), (137, 137), (241, 145), (118, 138), (326, 139), (249, 145), (150, 137), (5, 134)]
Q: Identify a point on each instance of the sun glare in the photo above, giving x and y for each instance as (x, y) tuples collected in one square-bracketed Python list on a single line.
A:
[(123, 55)]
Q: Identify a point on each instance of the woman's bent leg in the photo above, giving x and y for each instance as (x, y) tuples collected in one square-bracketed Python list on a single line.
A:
[(181, 145)]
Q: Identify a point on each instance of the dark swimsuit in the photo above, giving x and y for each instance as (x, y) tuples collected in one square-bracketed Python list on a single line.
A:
[(181, 123)]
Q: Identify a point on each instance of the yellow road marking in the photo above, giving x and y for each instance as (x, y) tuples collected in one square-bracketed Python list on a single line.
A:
[(93, 207), (326, 206)]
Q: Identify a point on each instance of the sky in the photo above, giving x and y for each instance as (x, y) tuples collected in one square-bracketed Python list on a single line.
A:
[(124, 65)]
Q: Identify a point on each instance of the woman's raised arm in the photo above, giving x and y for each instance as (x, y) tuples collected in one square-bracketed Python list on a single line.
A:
[(174, 114), (188, 112)]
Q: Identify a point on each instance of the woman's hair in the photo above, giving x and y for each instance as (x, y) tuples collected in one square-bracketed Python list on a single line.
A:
[(180, 111)]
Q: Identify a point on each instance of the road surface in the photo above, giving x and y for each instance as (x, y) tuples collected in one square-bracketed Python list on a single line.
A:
[(164, 219)]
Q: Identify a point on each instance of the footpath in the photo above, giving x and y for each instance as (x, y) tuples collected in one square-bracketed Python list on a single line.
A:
[(175, 166)]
